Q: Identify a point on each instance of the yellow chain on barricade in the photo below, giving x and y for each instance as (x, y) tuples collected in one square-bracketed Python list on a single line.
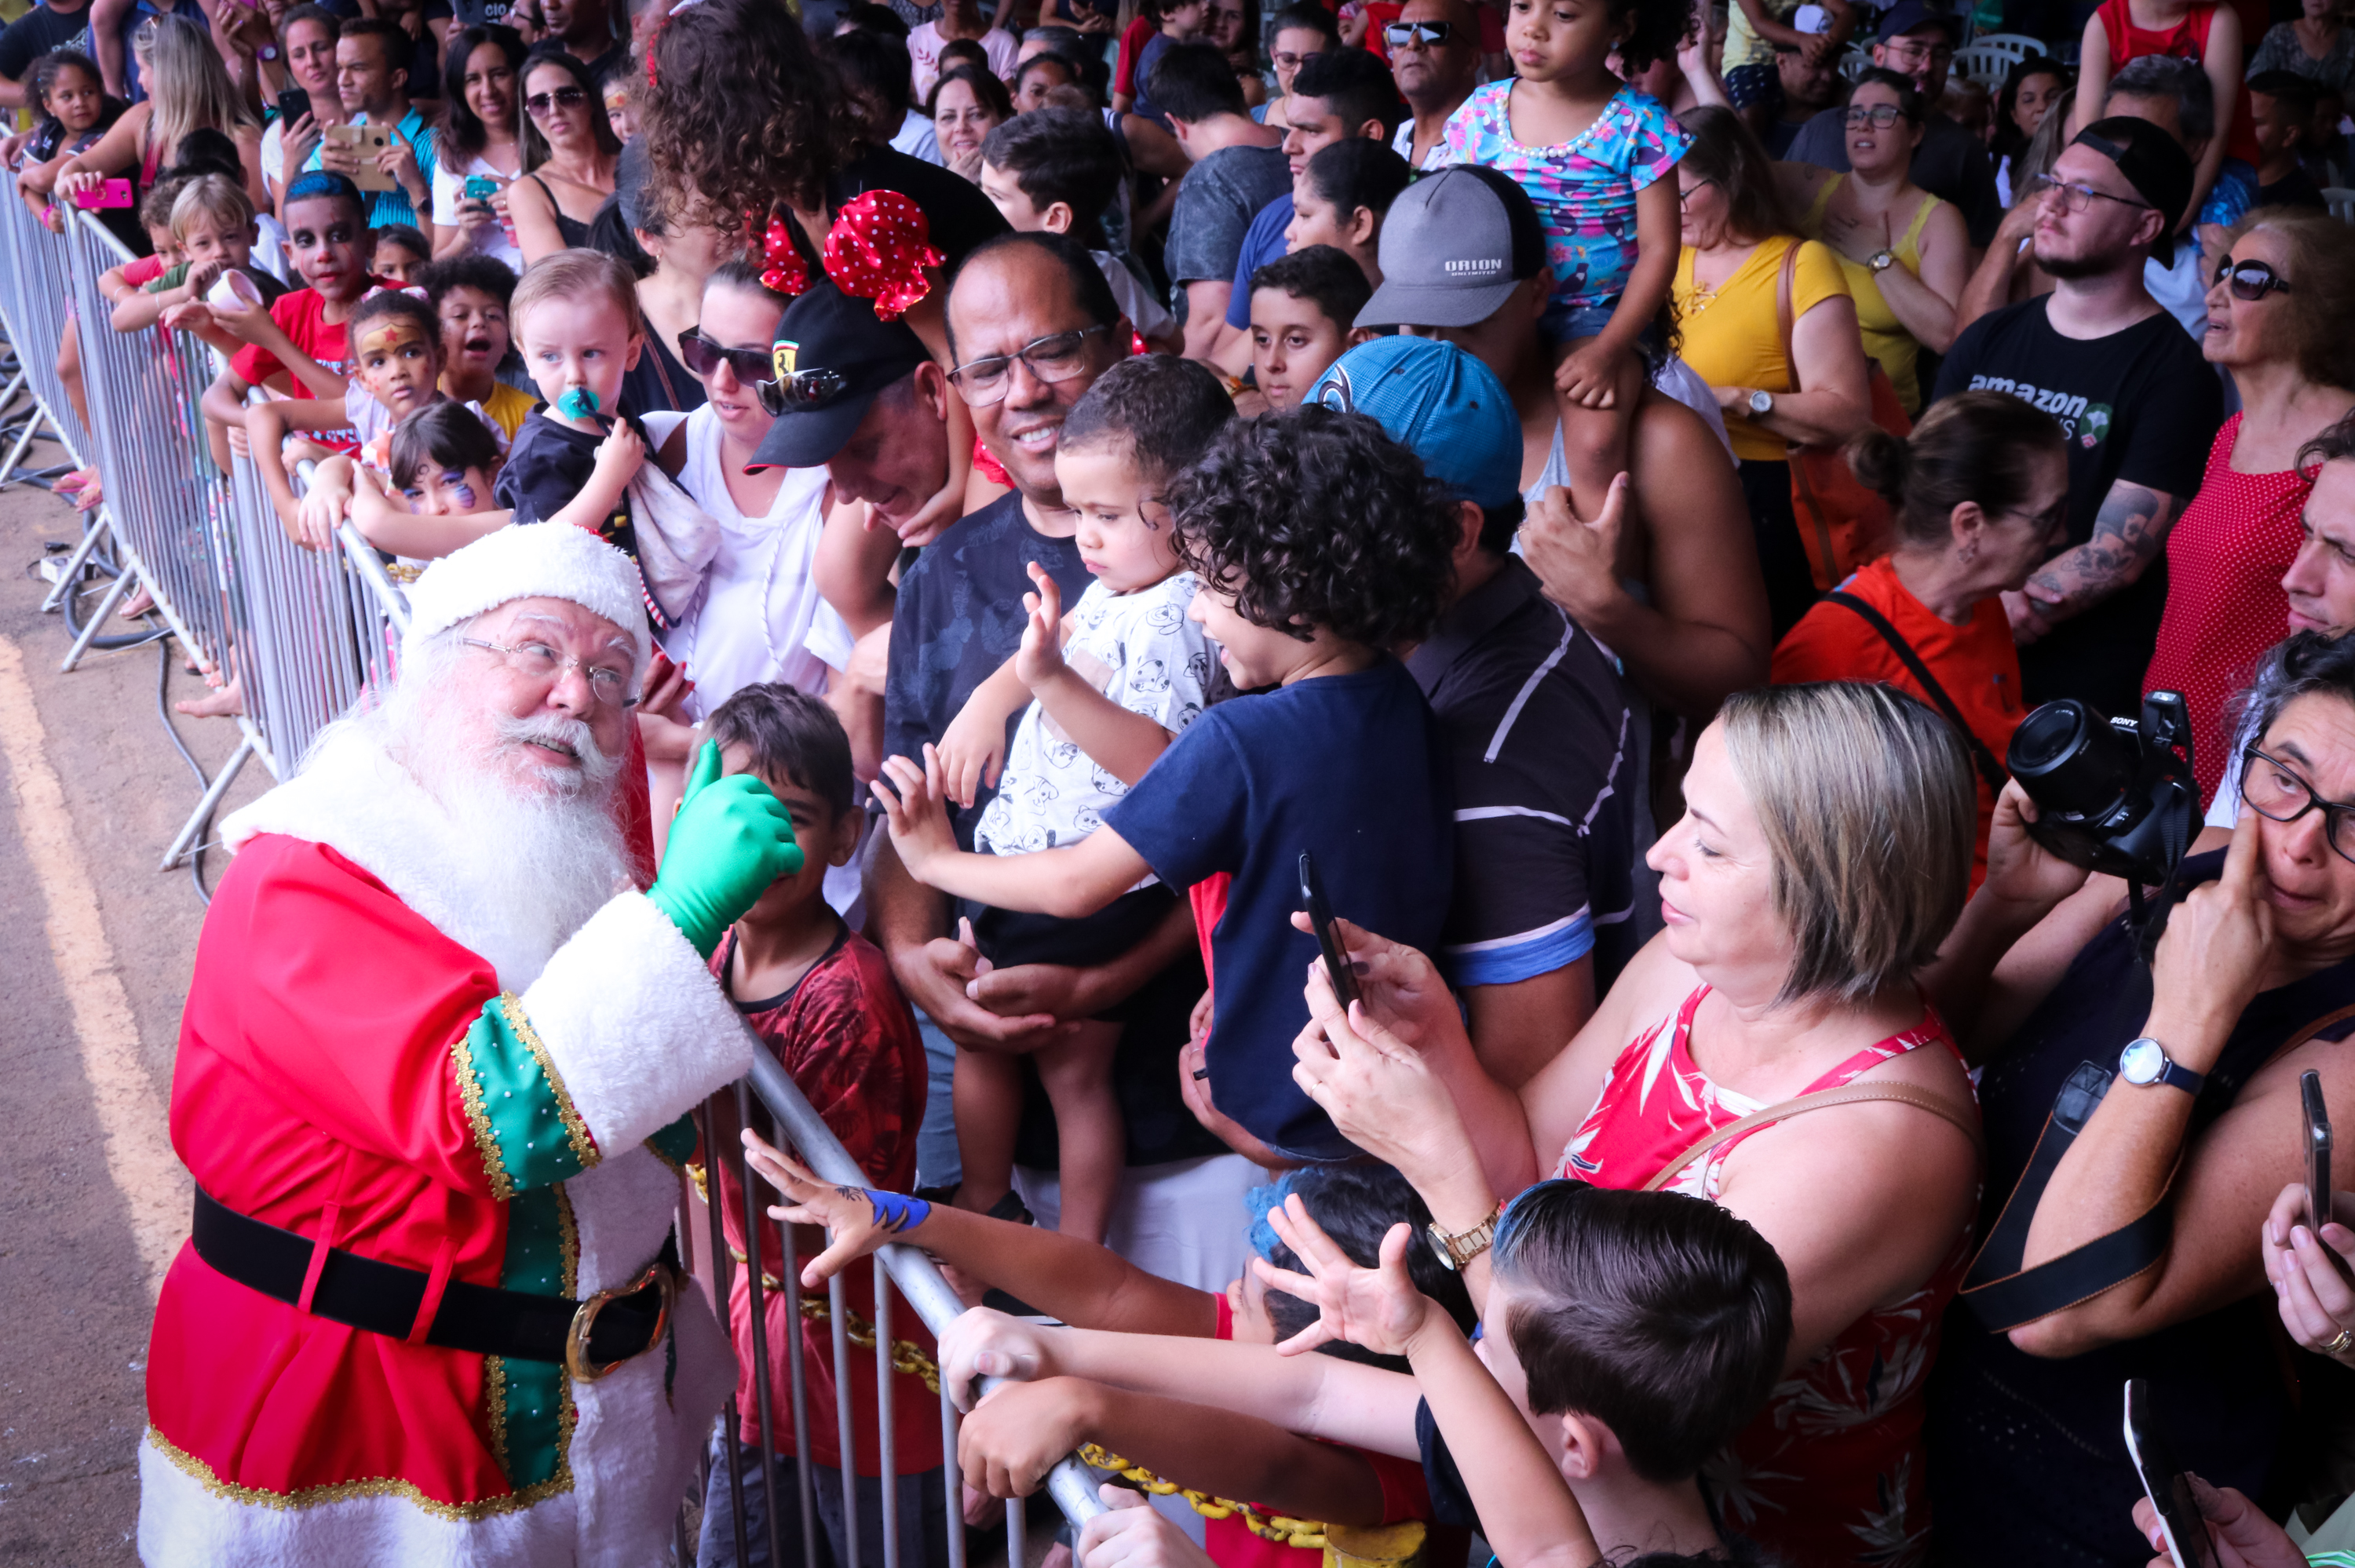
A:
[(1345, 1546)]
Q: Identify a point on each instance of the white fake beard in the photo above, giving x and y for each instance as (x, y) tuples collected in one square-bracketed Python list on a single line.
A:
[(534, 864)]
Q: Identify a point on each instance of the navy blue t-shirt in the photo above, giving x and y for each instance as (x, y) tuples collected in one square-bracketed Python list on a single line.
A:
[(1262, 243), (1347, 768)]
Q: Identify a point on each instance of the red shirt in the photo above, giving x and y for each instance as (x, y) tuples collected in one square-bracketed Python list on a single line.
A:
[(848, 1038), (2187, 40), (302, 315), (2225, 562), (1975, 662)]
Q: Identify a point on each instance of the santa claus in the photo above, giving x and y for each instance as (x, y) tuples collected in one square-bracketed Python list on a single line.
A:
[(433, 1085)]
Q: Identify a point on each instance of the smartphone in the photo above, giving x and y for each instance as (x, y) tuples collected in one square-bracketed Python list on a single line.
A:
[(113, 192), (293, 104), (365, 142), (1320, 916), (2164, 1484), (481, 188), (2318, 1150)]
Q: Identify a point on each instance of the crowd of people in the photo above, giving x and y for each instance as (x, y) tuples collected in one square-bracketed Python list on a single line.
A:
[(988, 516)]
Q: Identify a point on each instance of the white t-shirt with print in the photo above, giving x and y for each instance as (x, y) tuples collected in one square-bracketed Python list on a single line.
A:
[(1137, 649)]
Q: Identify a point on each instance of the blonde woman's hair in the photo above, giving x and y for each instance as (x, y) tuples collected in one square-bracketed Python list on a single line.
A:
[(216, 197), (574, 274), (1871, 810), (190, 86)]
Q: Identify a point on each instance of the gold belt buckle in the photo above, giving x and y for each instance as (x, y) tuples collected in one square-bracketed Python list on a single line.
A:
[(575, 1341)]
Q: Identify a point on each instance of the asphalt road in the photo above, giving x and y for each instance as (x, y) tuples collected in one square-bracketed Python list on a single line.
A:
[(95, 951)]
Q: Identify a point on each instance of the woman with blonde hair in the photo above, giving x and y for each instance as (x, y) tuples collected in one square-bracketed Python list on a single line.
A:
[(2281, 318), (189, 89), (1822, 859)]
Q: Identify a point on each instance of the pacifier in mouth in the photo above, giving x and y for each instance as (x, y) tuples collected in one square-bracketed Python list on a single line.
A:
[(577, 403)]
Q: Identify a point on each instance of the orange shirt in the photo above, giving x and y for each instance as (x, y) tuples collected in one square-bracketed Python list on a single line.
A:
[(1975, 662)]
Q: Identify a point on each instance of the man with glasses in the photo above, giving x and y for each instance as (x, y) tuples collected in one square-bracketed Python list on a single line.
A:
[(1435, 61), (2138, 405), (1952, 161)]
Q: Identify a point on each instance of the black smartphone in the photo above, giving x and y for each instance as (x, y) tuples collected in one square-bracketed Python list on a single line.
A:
[(2164, 1484), (293, 104), (2318, 1150), (1320, 916)]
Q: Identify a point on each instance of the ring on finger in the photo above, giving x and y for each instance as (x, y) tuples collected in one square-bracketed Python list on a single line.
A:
[(2338, 1344)]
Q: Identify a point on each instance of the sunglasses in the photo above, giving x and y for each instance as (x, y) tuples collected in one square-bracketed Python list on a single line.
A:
[(704, 358), (1398, 35), (539, 103), (2251, 280), (801, 392)]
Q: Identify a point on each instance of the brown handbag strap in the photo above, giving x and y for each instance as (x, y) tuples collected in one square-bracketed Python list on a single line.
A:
[(1966, 1118), (1784, 317)]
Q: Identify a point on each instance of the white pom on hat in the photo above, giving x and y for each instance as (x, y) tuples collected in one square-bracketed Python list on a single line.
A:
[(532, 560)]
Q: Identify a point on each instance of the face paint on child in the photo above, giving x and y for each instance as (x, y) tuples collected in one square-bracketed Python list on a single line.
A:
[(436, 490), (396, 364)]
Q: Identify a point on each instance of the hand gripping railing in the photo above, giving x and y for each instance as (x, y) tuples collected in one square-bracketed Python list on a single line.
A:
[(1072, 1484)]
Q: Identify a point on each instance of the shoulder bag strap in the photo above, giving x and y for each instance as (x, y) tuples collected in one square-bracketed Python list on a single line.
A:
[(1982, 757), (1784, 316), (2001, 1293), (1965, 1117)]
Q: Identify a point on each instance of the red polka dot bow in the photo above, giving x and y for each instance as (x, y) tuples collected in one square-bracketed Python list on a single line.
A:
[(783, 272), (879, 248)]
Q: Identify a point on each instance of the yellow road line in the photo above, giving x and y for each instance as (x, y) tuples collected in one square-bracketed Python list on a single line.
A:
[(130, 1116)]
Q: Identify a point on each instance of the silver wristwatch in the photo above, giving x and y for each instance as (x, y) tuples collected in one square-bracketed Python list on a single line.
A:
[(1760, 405)]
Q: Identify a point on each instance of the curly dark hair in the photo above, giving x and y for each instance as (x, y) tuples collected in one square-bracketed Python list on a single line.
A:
[(1317, 518), (1660, 26), (741, 114)]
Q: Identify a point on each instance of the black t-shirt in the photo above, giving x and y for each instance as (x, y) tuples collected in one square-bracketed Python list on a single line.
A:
[(2140, 406), (547, 467), (470, 12), (37, 32), (2293, 189)]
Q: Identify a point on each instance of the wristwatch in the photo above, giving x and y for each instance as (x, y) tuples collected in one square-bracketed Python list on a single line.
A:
[(1880, 261), (266, 52), (2145, 1061), (1760, 405), (1458, 1248)]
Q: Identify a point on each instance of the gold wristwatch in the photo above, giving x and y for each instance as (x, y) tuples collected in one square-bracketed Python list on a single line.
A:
[(1458, 1250)]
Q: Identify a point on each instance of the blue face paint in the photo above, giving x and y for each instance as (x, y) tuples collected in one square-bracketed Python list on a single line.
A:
[(894, 1213), (460, 490), (578, 403)]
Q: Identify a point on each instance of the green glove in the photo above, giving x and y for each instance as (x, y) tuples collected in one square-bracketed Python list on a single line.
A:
[(731, 840)]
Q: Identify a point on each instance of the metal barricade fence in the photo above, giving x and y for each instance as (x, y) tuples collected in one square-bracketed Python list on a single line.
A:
[(1071, 1485), (35, 290)]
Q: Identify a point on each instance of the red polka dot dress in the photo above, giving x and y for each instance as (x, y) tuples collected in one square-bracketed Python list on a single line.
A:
[(2224, 602)]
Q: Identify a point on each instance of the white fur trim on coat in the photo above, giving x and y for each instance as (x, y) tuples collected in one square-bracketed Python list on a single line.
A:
[(539, 560)]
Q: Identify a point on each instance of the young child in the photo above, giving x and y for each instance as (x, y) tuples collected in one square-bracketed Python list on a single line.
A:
[(1092, 1287), (1340, 198), (1302, 311), (821, 998), (1630, 1337), (396, 359), (1059, 170), (63, 85), (1101, 693), (1596, 156), (1320, 543), (576, 314), (471, 294), (2206, 33), (1174, 22), (126, 280), (400, 251), (213, 230), (2281, 109)]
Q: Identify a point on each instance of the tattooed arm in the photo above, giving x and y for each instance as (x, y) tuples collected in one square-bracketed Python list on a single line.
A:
[(2128, 534)]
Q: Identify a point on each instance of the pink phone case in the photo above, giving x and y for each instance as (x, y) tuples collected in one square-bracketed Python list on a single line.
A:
[(114, 193)]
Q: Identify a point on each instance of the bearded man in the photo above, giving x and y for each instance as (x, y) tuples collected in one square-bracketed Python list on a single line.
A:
[(432, 1085)]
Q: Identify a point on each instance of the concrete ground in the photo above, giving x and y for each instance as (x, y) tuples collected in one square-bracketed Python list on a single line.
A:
[(95, 951)]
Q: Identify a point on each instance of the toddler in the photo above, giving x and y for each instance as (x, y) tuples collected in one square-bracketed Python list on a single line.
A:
[(1059, 170), (213, 233), (1303, 308), (1594, 155), (1174, 22), (1101, 693), (400, 252), (1340, 198)]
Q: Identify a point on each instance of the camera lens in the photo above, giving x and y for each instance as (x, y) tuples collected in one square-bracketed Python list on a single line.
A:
[(2070, 760)]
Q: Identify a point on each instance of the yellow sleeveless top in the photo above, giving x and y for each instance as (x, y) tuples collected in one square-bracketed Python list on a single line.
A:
[(1885, 337)]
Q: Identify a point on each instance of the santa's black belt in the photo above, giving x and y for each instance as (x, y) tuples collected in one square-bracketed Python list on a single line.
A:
[(589, 1338)]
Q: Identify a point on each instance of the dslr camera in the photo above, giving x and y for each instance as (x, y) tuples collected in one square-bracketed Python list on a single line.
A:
[(2112, 795)]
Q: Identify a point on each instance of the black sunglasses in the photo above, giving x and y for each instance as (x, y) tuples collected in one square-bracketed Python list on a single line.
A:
[(704, 358), (1397, 35), (539, 103), (2251, 280), (801, 392)]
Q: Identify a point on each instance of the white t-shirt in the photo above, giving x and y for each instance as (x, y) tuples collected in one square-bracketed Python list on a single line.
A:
[(924, 47), (918, 139), (1137, 649), (1143, 308), (497, 241), (758, 616)]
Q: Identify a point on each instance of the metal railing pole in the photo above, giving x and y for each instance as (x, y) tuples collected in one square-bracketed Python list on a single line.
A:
[(838, 1320), (722, 1287), (758, 1300), (887, 1426)]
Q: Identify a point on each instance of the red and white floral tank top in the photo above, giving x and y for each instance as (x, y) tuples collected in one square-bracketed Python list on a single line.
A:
[(1831, 1470)]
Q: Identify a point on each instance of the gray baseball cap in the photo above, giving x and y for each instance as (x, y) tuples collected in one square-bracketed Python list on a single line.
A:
[(1455, 247)]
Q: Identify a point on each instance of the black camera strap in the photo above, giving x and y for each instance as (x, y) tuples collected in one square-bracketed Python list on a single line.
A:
[(1983, 758)]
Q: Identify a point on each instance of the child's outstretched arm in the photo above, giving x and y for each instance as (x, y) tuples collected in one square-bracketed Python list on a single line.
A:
[(1070, 882), (619, 457), (1122, 743), (386, 522), (1077, 1281), (1020, 1430), (1526, 1513)]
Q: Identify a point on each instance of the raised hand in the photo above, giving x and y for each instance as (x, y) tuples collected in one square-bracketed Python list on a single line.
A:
[(731, 839), (1377, 1307), (914, 802), (2209, 963), (1041, 657), (858, 1220)]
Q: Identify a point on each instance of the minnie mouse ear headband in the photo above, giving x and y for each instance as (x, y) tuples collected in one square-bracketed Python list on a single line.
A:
[(831, 356), (878, 249)]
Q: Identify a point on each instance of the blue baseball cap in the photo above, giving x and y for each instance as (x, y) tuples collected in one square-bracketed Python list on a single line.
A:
[(1442, 404)]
